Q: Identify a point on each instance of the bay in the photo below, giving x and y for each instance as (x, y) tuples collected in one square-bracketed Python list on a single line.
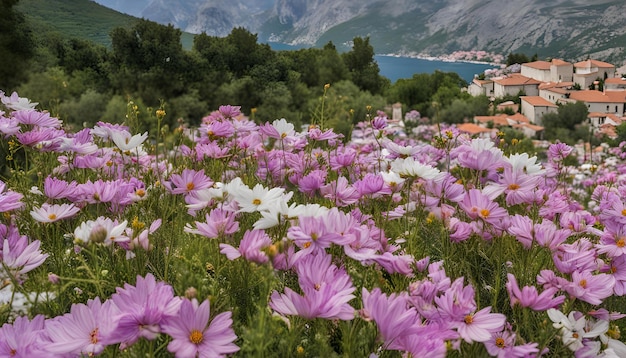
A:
[(397, 67)]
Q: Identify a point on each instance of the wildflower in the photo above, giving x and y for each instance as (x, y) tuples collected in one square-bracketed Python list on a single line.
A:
[(50, 213), (20, 257), (392, 314), (478, 205), (193, 335), (410, 168), (502, 345), (590, 288), (21, 339), (572, 328), (479, 326), (83, 331), (340, 192), (143, 308), (279, 129), (16, 102), (219, 222), (558, 151), (189, 181), (102, 230), (327, 291), (127, 142), (9, 200), (251, 247), (58, 189), (256, 199), (529, 297)]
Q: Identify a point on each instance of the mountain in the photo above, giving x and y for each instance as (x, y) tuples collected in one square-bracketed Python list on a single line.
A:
[(569, 29)]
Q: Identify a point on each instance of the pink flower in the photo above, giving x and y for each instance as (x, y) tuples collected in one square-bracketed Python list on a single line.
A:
[(479, 326), (9, 200), (251, 247), (478, 205), (529, 297), (189, 181), (83, 331), (193, 335), (326, 288), (23, 337), (590, 288), (50, 213), (143, 308), (219, 222)]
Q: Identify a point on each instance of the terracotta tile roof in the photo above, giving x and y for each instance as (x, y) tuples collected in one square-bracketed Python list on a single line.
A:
[(616, 96), (537, 101), (520, 118), (615, 80), (539, 65), (593, 63), (472, 128), (516, 80), (547, 85), (599, 97), (534, 127), (499, 120), (481, 82), (557, 62)]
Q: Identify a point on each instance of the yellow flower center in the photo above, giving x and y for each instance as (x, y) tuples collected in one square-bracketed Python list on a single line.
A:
[(256, 201), (623, 212), (469, 319), (140, 193), (513, 186), (621, 242), (283, 135), (484, 213), (196, 337), (52, 216), (190, 186), (583, 283), (307, 245), (500, 342)]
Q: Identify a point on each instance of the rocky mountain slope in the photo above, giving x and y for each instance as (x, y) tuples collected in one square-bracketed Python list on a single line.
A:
[(570, 29)]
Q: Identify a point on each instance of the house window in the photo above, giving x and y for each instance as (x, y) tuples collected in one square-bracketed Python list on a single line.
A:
[(616, 109), (607, 108)]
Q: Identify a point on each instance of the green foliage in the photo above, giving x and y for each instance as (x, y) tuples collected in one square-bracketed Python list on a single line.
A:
[(514, 58), (16, 46), (364, 71), (563, 124)]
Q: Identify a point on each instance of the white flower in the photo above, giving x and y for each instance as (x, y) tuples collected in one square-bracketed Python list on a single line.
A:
[(102, 230), (525, 163), (125, 142), (17, 103), (257, 199), (408, 167), (283, 127), (574, 330)]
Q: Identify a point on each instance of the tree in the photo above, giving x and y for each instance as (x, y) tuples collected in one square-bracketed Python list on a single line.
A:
[(364, 70), (16, 46)]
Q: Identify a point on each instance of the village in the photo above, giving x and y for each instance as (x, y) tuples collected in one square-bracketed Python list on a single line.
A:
[(544, 86)]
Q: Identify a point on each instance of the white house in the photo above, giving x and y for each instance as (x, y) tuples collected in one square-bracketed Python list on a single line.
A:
[(480, 87), (603, 102), (586, 72), (535, 107), (514, 84)]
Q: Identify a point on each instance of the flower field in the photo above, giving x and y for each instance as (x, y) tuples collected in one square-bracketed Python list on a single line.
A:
[(258, 240)]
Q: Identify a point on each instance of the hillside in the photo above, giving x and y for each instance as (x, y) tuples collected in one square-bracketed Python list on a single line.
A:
[(83, 19), (569, 29)]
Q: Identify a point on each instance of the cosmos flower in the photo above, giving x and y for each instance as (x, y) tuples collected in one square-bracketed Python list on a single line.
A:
[(21, 339), (194, 336), (85, 330), (48, 213), (143, 308)]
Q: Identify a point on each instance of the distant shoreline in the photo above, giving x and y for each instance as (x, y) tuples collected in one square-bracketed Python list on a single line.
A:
[(442, 59)]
